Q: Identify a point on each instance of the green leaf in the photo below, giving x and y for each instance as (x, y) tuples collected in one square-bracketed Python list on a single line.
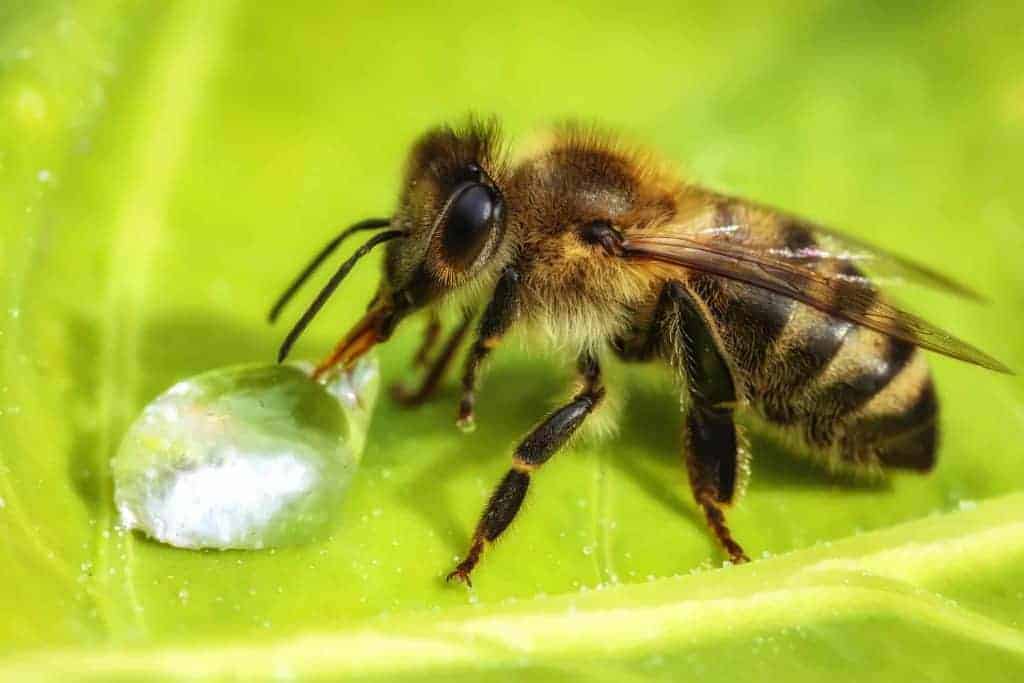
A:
[(167, 167)]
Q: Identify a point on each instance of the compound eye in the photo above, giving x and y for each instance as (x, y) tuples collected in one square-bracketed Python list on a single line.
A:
[(470, 222)]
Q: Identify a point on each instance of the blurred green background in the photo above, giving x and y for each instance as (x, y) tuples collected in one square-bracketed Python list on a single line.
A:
[(166, 166)]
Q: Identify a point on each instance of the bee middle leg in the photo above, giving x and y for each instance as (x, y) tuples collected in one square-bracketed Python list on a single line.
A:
[(437, 368), (535, 450), (711, 435)]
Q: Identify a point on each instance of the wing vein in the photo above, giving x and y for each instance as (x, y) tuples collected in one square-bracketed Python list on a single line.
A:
[(852, 299)]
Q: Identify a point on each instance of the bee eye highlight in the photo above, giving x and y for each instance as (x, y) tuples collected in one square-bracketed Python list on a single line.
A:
[(469, 223)]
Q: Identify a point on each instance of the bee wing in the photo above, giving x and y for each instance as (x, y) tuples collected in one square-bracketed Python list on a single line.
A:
[(851, 298), (824, 244), (836, 246)]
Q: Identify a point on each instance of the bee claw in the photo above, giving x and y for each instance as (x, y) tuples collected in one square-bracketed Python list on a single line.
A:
[(460, 574), (466, 421), (466, 424)]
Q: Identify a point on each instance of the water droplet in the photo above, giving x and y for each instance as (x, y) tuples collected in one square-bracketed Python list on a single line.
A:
[(244, 457), (44, 175), (588, 549)]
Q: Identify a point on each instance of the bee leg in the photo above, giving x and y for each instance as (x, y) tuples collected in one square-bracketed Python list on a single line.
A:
[(535, 450), (499, 315), (711, 462), (436, 369), (430, 335), (711, 437)]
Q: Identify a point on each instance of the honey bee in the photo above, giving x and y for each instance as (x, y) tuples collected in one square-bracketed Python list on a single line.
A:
[(755, 311)]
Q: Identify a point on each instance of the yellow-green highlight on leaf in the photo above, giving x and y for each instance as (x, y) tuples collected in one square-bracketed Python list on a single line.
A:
[(885, 576)]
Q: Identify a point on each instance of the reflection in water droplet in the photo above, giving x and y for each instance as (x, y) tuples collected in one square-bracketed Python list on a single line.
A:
[(245, 457)]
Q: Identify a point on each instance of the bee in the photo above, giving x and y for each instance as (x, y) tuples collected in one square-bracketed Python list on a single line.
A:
[(755, 311)]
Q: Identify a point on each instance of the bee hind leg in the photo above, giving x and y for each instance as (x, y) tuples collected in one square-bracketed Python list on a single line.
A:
[(435, 369), (535, 450), (711, 450), (711, 437)]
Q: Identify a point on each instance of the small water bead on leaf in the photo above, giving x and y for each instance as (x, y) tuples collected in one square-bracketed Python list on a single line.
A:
[(245, 457)]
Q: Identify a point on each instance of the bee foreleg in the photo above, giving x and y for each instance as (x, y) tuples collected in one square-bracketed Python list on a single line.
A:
[(535, 450), (499, 315), (711, 438), (436, 369)]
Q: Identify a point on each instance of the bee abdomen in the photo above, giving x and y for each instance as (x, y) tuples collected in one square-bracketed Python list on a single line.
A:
[(748, 319), (852, 394), (866, 365), (807, 351), (899, 427), (873, 406)]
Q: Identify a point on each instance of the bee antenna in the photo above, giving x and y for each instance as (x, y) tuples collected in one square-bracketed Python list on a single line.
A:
[(329, 288), (328, 249)]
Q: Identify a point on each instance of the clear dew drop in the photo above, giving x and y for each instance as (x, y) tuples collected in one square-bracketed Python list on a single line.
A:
[(245, 457)]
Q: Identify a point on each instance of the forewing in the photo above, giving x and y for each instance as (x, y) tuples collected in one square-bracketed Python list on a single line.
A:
[(851, 298), (742, 221)]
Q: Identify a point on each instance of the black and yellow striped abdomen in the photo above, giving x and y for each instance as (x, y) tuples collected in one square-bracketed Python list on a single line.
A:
[(854, 396)]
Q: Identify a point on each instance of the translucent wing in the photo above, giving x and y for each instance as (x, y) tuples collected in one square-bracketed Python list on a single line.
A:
[(819, 244), (850, 297)]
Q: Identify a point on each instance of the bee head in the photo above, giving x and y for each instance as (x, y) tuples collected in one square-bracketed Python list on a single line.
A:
[(451, 211), (446, 232)]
